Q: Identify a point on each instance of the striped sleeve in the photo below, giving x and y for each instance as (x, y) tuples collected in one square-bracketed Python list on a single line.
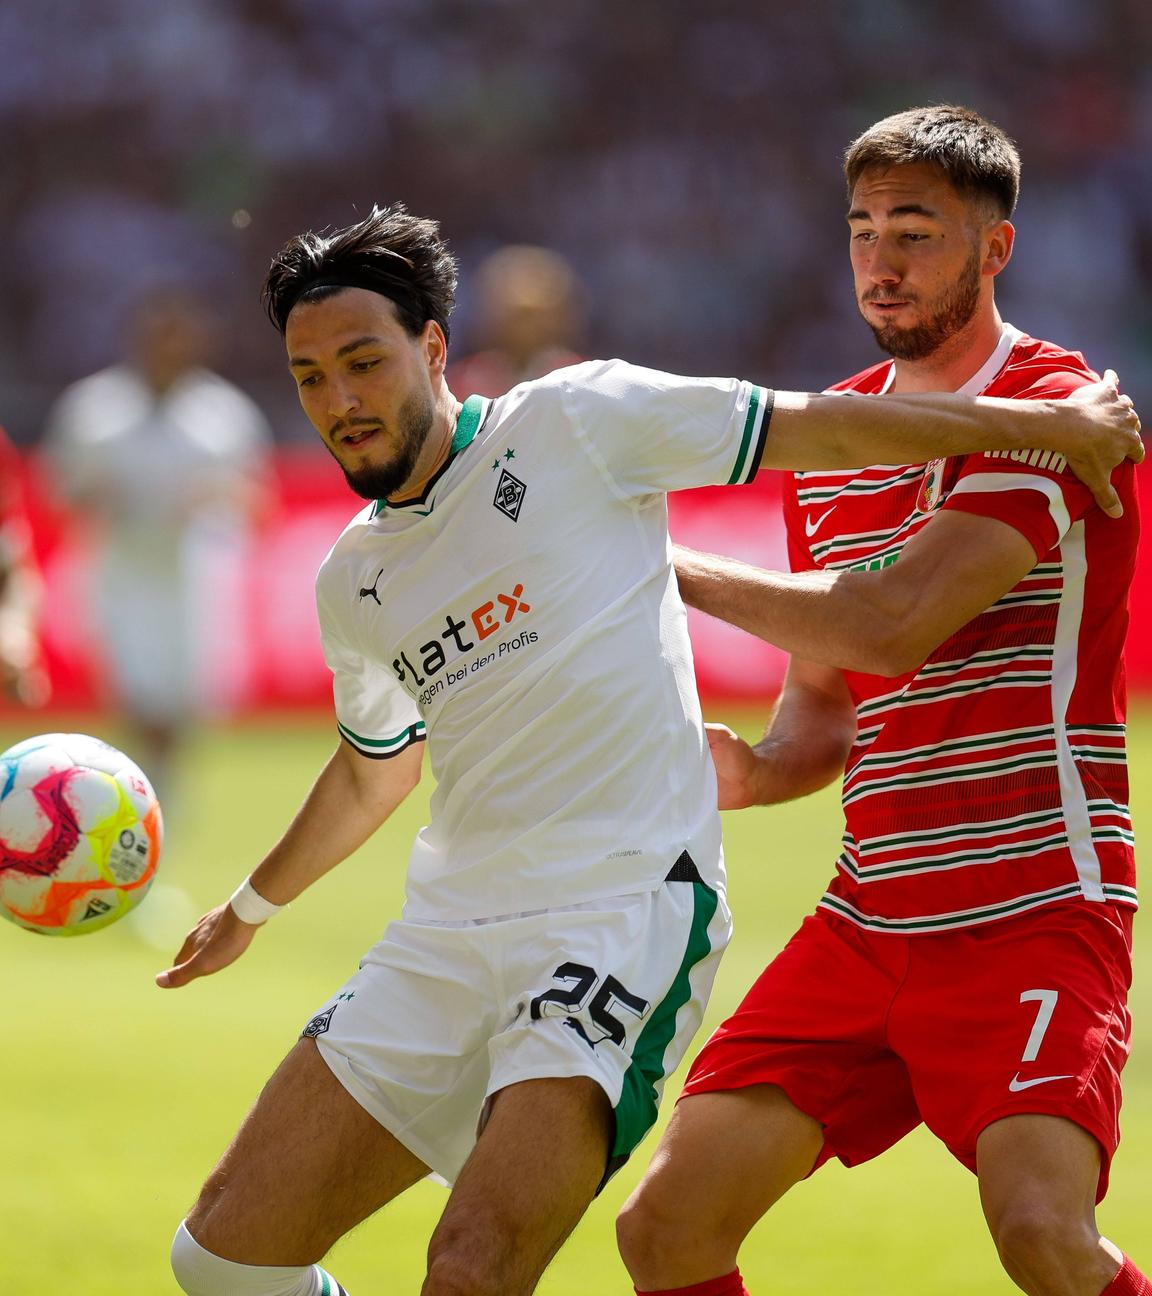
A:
[(1040, 505), (1032, 490)]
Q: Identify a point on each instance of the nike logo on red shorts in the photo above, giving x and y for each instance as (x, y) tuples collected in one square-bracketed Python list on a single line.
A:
[(1016, 1084)]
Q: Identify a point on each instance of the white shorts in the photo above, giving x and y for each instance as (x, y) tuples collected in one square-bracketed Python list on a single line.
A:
[(441, 1016)]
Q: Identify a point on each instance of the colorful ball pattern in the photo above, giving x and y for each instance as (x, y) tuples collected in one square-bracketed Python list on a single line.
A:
[(80, 834)]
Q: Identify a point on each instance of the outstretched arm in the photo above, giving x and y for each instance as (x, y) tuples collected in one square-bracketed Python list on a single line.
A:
[(1095, 429), (348, 802), (882, 622)]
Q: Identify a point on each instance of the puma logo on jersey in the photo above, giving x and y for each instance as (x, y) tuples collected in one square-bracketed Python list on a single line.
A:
[(371, 589), (812, 525)]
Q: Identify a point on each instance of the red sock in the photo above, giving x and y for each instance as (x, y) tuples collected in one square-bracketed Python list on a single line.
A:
[(733, 1285), (1128, 1282)]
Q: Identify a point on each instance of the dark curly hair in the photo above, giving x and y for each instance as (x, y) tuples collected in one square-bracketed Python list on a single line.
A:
[(389, 252), (975, 155)]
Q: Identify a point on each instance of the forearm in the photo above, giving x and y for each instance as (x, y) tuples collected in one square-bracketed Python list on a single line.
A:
[(336, 818), (828, 618), (810, 433), (800, 753)]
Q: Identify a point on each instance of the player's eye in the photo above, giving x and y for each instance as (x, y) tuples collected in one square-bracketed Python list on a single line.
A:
[(362, 366), (863, 236), (309, 380)]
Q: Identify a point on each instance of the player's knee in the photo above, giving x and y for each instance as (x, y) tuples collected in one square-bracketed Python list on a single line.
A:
[(480, 1261), (1032, 1238), (647, 1233), (451, 1273)]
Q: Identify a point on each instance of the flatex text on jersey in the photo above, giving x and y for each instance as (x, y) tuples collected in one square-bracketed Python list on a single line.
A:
[(427, 678)]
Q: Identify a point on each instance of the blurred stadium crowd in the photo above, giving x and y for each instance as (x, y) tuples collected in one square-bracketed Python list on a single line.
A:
[(683, 157)]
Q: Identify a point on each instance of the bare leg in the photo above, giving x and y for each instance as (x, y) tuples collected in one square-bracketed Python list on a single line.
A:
[(723, 1161), (1038, 1177), (535, 1169), (308, 1164)]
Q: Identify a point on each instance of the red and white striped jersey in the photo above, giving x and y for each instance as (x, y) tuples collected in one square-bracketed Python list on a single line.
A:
[(993, 778)]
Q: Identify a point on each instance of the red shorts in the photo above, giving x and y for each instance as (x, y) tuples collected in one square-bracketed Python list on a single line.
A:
[(870, 1034)]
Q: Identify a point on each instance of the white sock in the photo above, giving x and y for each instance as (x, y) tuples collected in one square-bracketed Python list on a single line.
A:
[(200, 1273)]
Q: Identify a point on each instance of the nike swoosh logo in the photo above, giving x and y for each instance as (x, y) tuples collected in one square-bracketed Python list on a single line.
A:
[(1016, 1084), (812, 525)]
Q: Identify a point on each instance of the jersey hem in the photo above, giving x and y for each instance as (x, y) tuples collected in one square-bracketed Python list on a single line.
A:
[(455, 916), (927, 924)]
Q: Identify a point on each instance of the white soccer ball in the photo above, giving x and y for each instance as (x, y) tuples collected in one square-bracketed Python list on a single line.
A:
[(80, 834)]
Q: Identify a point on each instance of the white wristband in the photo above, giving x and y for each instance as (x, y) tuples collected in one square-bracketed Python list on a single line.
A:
[(250, 906)]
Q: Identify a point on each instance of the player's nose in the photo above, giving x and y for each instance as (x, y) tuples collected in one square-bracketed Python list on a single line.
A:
[(884, 269), (342, 400)]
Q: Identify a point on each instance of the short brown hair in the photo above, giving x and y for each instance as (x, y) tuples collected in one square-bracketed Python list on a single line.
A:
[(975, 155)]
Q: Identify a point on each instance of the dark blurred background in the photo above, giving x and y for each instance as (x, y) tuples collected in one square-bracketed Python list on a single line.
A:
[(685, 157)]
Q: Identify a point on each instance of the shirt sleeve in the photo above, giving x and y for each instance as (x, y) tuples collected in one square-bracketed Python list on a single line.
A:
[(1031, 490), (651, 432), (373, 712)]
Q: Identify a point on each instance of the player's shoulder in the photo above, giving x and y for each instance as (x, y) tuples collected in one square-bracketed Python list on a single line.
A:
[(582, 393), (226, 399), (586, 376), (1038, 369), (868, 382), (345, 551), (95, 408), (116, 382)]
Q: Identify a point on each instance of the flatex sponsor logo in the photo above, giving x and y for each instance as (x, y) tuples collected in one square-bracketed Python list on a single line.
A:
[(424, 670)]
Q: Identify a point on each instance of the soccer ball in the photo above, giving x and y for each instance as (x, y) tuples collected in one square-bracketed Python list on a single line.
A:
[(80, 834)]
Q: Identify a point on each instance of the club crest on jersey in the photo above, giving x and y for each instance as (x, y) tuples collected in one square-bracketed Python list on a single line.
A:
[(510, 492), (931, 486)]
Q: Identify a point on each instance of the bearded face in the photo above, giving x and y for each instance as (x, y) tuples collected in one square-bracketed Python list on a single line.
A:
[(939, 318), (388, 476)]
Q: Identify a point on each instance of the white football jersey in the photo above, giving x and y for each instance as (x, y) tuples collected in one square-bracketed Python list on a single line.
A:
[(524, 615)]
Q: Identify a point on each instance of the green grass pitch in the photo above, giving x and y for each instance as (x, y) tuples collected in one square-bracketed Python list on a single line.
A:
[(118, 1097)]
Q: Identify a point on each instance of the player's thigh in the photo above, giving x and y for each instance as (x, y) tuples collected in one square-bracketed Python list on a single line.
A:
[(1040, 1166), (724, 1159), (534, 1170), (815, 1026), (1046, 997), (308, 1164)]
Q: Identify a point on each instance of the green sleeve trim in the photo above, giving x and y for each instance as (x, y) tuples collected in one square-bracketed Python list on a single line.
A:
[(760, 402), (381, 748)]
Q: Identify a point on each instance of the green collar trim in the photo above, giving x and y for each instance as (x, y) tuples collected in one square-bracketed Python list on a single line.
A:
[(468, 423)]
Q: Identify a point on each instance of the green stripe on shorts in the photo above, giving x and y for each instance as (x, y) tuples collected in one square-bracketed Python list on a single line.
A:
[(639, 1098)]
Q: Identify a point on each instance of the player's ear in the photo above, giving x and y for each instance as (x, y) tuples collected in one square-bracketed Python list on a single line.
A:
[(999, 239), (435, 346)]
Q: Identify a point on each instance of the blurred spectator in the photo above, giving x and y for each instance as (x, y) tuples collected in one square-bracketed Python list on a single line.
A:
[(529, 314), (166, 461), (22, 675)]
